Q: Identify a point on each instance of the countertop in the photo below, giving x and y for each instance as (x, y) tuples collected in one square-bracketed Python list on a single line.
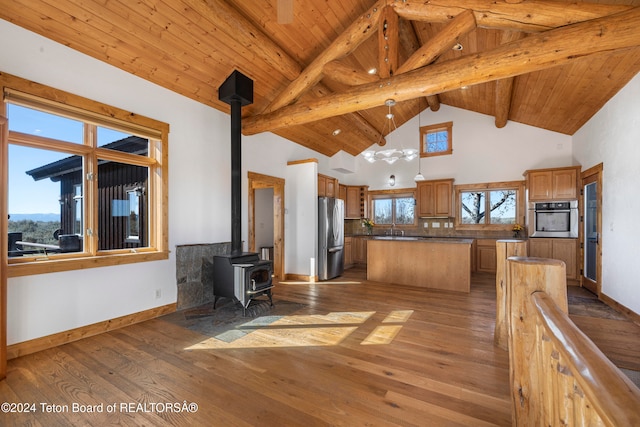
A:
[(443, 238), (424, 239)]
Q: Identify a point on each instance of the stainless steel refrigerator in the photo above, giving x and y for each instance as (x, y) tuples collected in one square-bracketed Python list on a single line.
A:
[(330, 237)]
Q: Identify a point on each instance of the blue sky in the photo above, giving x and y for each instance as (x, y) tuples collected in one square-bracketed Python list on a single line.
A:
[(25, 194)]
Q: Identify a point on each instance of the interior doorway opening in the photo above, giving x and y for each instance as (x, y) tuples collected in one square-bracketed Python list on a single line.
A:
[(266, 218)]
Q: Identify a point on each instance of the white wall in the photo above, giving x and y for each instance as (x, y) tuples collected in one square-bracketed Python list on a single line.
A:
[(301, 219), (612, 138), (481, 152)]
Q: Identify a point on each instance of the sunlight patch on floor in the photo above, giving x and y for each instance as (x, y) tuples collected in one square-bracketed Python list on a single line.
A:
[(398, 316), (382, 335), (347, 317), (281, 337), (304, 330)]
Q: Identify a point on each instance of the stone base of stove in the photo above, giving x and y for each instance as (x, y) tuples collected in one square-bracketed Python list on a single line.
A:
[(194, 272)]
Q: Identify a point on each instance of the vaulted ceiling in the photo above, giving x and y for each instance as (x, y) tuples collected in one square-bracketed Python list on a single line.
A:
[(545, 63)]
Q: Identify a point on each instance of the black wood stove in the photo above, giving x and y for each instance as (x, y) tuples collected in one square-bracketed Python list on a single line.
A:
[(241, 276)]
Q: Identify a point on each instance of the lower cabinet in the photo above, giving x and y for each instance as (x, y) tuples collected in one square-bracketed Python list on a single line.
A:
[(348, 253), (486, 255), (359, 249), (563, 249)]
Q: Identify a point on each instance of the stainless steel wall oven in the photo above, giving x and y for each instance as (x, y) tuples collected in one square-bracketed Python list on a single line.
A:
[(553, 219)]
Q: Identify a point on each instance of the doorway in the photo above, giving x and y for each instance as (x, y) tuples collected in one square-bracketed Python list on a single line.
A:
[(275, 187), (592, 229)]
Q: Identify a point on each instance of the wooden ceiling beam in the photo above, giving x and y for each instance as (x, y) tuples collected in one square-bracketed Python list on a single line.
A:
[(504, 15), (536, 52), (388, 43), (462, 24), (434, 102), (504, 87), (359, 31), (342, 73)]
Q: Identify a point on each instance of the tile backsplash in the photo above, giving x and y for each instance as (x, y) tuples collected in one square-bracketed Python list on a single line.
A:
[(436, 227)]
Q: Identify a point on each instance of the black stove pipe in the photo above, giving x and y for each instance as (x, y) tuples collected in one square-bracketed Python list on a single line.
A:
[(236, 179), (237, 91)]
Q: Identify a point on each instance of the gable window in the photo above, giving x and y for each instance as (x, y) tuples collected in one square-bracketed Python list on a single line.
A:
[(493, 205), (390, 208), (84, 189), (436, 140)]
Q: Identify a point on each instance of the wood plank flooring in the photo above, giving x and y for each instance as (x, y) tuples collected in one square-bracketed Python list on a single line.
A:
[(358, 353)]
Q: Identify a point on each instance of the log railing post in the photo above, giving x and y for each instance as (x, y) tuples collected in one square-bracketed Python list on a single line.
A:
[(526, 276), (504, 250)]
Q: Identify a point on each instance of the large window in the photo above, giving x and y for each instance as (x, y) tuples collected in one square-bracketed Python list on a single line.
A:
[(493, 205), (390, 208), (84, 189)]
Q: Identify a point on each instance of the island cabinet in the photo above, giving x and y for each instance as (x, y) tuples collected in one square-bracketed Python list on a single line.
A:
[(429, 263), (434, 198), (553, 184), (486, 255), (359, 249), (356, 201), (348, 252), (562, 249), (327, 186)]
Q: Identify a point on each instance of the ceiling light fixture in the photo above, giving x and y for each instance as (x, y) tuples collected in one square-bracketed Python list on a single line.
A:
[(419, 177), (457, 46), (390, 155), (336, 132)]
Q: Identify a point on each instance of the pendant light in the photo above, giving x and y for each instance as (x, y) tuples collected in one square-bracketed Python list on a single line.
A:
[(390, 155), (419, 177)]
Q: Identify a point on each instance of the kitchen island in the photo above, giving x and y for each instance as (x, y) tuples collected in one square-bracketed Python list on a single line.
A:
[(435, 263)]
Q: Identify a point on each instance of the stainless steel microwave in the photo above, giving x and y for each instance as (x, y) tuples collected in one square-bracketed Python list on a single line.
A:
[(553, 219)]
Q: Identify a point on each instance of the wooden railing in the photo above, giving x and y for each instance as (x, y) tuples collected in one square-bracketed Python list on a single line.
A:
[(558, 376)]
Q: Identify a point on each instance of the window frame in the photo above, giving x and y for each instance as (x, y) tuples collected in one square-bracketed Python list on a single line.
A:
[(425, 130), (29, 94), (518, 186), (399, 193)]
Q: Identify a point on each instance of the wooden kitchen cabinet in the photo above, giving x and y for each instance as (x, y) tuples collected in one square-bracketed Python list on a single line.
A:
[(486, 255), (356, 202), (327, 186), (562, 249), (553, 184), (434, 198), (342, 194), (359, 249), (348, 252)]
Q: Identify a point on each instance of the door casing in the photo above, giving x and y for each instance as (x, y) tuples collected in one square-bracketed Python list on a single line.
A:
[(592, 175)]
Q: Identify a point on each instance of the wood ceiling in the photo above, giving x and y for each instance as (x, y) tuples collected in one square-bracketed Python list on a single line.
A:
[(549, 64)]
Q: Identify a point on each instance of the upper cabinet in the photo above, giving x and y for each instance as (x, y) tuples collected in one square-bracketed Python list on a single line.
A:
[(553, 184), (327, 186), (342, 194), (356, 201), (434, 198)]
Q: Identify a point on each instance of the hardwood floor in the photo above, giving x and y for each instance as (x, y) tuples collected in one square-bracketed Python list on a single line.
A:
[(358, 353)]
